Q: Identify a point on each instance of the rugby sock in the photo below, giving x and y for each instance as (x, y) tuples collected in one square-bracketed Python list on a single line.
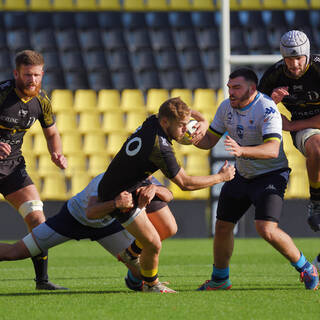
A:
[(149, 276), (302, 264), (133, 278), (135, 249), (219, 274), (40, 263), (314, 191)]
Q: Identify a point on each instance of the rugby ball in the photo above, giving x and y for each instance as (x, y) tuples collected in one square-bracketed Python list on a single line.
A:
[(190, 130)]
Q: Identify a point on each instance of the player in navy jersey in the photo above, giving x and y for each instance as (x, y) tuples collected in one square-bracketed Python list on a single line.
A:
[(254, 138), (294, 81), (146, 151), (23, 102)]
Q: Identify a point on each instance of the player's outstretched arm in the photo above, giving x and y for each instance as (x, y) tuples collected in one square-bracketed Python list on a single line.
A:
[(207, 142), (190, 183), (98, 210), (297, 125)]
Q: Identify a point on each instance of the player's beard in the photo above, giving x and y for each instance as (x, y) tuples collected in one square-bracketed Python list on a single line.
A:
[(24, 88), (241, 99)]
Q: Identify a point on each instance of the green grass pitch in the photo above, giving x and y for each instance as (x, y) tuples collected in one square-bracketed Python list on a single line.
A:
[(265, 286)]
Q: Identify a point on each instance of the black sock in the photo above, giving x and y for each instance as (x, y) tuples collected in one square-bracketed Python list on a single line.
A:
[(40, 263)]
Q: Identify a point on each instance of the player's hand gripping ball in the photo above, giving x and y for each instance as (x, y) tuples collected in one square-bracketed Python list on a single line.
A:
[(188, 134)]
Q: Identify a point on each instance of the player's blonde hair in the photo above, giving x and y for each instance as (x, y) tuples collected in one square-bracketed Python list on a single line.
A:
[(28, 58), (174, 109)]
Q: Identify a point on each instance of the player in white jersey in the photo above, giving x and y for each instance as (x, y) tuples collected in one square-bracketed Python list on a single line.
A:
[(72, 223), (254, 137)]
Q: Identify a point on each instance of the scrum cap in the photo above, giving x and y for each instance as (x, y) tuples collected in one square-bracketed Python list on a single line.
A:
[(295, 43)]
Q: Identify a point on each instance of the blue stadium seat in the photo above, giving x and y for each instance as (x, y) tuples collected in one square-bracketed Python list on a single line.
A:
[(119, 60), (211, 60), (274, 38), (99, 80), (113, 39), (161, 39), (123, 79), (277, 20), (195, 79), (5, 60), (237, 42), (184, 39), (167, 59), (143, 60), (67, 40), (190, 59), (95, 60), (15, 20), (213, 79), (180, 19), (138, 39), (2, 25), (109, 20), (76, 80), (90, 39), (148, 79), (254, 20), (208, 38), (18, 40), (53, 80), (86, 20), (203, 19), (63, 20), (72, 61), (39, 20), (44, 40), (52, 61), (258, 42), (171, 79), (157, 20), (133, 20), (3, 40)]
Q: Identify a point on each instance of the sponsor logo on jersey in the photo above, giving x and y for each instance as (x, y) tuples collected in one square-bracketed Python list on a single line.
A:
[(298, 87), (23, 113), (240, 131), (269, 110), (164, 141), (270, 187), (5, 84), (9, 119)]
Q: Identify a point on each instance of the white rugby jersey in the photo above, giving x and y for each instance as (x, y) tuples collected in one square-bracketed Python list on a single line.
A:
[(252, 125), (77, 205)]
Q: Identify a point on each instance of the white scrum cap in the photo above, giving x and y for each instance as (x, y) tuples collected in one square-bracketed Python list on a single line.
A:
[(295, 43)]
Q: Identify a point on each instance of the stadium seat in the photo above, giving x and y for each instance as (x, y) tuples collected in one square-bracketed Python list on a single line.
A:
[(39, 144), (46, 166), (62, 100), (314, 4), (235, 22), (99, 80), (12, 5), (177, 5), (298, 186), (258, 42), (134, 119), (95, 61), (89, 121), (98, 163), (119, 60), (184, 94), (190, 59), (254, 20), (148, 79), (54, 187), (143, 60), (211, 60), (109, 20), (171, 79), (113, 121), (94, 143), (297, 4), (156, 20), (161, 39), (85, 100), (205, 100), (90, 40), (63, 5), (63, 20), (52, 61), (44, 40), (180, 20), (108, 100), (79, 181), (86, 5), (202, 194), (5, 60), (113, 40), (76, 80), (72, 61), (167, 59), (133, 5), (155, 97), (194, 79), (18, 40), (15, 20), (133, 20), (274, 37), (213, 79), (123, 79), (249, 5), (86, 20), (205, 5), (234, 5), (208, 38), (31, 161), (156, 5), (301, 19), (178, 194), (27, 147), (77, 162), (185, 39), (67, 40), (273, 5), (38, 21), (203, 20), (132, 99), (237, 42), (115, 142), (197, 165), (71, 142), (53, 80), (3, 42), (66, 121), (138, 39)]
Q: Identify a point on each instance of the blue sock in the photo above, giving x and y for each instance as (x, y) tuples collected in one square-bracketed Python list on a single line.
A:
[(219, 274), (133, 278), (302, 264)]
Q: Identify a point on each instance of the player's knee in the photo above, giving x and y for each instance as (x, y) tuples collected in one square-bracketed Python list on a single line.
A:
[(313, 148), (265, 231), (153, 244), (169, 231), (223, 228), (32, 212)]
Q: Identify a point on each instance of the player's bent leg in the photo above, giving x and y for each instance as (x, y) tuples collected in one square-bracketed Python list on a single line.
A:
[(16, 251), (164, 222)]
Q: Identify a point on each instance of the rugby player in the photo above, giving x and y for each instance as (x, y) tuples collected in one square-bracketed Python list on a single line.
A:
[(22, 103), (146, 151), (254, 128)]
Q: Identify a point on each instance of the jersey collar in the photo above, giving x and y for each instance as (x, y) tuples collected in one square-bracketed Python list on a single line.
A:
[(251, 103)]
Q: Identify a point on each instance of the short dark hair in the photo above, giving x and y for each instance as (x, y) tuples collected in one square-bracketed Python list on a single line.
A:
[(174, 109), (28, 58), (246, 73)]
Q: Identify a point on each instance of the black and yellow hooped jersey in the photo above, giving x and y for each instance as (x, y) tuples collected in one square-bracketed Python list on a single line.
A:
[(145, 151), (17, 116), (303, 101)]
